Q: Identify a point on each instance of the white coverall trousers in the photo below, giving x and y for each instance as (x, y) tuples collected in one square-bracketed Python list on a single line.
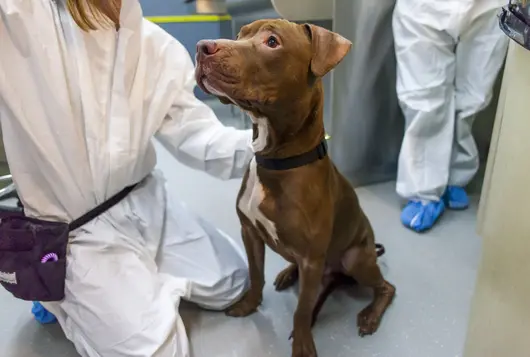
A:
[(449, 54), (129, 268)]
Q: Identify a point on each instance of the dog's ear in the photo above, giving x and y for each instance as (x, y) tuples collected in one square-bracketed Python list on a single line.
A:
[(329, 48)]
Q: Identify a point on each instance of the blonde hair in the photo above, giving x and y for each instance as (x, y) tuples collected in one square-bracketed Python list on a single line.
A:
[(95, 14)]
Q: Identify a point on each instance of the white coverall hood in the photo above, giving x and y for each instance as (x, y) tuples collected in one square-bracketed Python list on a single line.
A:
[(449, 53), (78, 112)]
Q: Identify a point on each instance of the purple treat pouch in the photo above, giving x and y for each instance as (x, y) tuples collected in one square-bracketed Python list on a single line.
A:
[(33, 257), (33, 251)]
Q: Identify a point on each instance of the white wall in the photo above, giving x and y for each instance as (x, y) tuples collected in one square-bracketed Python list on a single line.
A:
[(500, 318)]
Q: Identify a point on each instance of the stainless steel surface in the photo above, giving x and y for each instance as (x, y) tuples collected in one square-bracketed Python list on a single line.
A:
[(7, 191), (239, 7), (210, 6), (8, 188), (304, 10), (244, 12), (366, 122)]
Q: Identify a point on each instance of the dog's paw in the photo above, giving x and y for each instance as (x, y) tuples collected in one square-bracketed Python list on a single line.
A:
[(286, 278), (304, 346), (368, 321), (244, 307)]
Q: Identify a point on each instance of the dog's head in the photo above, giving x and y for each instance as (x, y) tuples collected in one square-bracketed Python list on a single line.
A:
[(272, 64)]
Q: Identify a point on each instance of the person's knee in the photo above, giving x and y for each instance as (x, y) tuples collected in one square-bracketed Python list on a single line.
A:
[(223, 293), (240, 283), (120, 307), (122, 327)]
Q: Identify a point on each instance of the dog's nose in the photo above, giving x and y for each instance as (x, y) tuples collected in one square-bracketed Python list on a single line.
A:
[(207, 47)]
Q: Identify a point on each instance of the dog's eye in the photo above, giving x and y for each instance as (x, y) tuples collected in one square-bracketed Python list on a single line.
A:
[(272, 42)]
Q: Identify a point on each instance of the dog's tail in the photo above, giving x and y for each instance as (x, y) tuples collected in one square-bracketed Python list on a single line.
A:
[(336, 280)]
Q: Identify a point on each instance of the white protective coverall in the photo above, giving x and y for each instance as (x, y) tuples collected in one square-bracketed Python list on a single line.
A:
[(78, 112), (449, 53)]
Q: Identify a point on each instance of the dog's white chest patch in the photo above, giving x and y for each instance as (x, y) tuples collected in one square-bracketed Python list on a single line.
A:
[(252, 198), (263, 133)]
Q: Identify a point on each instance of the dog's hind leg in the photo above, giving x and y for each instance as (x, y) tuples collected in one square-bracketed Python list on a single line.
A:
[(330, 282), (360, 262), (286, 278)]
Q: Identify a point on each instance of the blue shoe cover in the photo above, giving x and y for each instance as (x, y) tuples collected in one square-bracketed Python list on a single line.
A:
[(42, 315), (456, 198), (420, 216)]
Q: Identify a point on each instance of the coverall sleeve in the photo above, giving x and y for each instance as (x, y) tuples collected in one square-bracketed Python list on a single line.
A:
[(194, 135)]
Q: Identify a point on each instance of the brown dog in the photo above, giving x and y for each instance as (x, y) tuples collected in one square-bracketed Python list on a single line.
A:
[(292, 196)]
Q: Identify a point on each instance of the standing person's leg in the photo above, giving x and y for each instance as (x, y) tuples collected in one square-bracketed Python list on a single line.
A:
[(425, 88), (193, 249), (479, 57)]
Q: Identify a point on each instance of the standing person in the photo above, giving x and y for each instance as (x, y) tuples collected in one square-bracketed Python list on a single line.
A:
[(449, 53), (85, 85)]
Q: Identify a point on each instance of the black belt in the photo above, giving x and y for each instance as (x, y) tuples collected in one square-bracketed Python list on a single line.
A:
[(292, 162), (102, 208)]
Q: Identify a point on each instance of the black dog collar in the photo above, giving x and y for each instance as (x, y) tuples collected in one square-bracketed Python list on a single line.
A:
[(293, 162)]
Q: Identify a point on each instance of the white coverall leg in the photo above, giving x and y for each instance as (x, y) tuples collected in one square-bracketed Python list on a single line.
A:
[(476, 72), (79, 112), (448, 55), (124, 286)]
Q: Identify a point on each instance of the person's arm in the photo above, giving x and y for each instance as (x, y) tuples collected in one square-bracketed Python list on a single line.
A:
[(194, 135)]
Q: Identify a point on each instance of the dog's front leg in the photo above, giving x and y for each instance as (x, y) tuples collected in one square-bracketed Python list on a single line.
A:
[(255, 249), (310, 272)]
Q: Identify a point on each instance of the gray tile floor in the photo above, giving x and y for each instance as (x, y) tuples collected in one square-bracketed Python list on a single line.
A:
[(434, 274)]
